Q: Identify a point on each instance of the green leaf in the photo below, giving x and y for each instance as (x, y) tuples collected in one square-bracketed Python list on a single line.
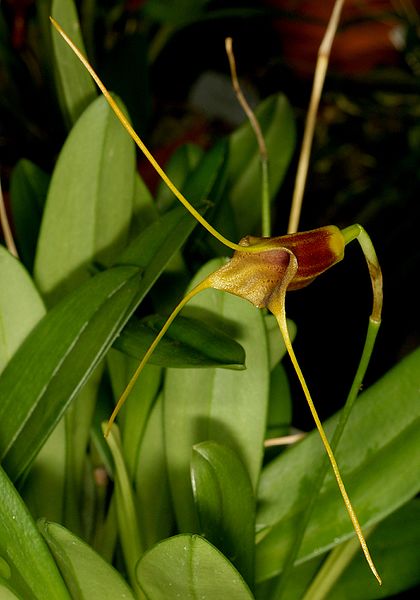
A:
[(395, 544), (217, 404), (280, 404), (89, 205), (179, 166), (153, 495), (38, 384), (188, 343), (75, 87), (276, 120), (80, 329), (276, 347), (128, 526), (225, 504), (20, 305), (88, 575), (189, 567), (176, 13), (28, 191), (379, 457), (144, 207), (32, 570)]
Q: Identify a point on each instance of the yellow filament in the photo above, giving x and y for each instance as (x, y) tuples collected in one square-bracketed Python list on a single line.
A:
[(127, 126), (277, 306), (198, 288)]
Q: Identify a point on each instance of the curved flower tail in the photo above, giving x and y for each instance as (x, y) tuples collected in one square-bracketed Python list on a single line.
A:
[(198, 288), (278, 308)]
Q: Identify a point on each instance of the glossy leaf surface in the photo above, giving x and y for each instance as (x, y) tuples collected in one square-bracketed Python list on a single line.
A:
[(217, 404), (225, 504), (88, 575), (29, 567), (189, 567)]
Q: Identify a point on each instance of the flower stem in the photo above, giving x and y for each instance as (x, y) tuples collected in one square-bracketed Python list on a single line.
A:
[(372, 331), (198, 288)]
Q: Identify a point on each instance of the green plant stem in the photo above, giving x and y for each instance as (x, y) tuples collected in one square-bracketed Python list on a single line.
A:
[(373, 328), (128, 526), (265, 199)]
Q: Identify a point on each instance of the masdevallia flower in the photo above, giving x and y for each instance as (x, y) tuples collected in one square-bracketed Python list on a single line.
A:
[(258, 275)]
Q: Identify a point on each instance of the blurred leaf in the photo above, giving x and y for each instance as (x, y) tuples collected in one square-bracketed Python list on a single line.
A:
[(20, 305), (89, 204), (276, 120), (88, 575), (80, 329), (188, 343), (33, 572), (217, 404), (225, 504), (75, 87), (153, 495), (395, 545), (189, 567), (175, 13), (28, 191), (379, 457)]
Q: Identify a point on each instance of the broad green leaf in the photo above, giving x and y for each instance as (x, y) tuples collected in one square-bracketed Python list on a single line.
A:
[(188, 343), (20, 305), (89, 205), (33, 573), (379, 457), (6, 593), (144, 207), (189, 567), (395, 544), (276, 120), (128, 526), (152, 491), (217, 404), (80, 329), (179, 166), (38, 384), (225, 504), (28, 191), (75, 87), (87, 575)]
